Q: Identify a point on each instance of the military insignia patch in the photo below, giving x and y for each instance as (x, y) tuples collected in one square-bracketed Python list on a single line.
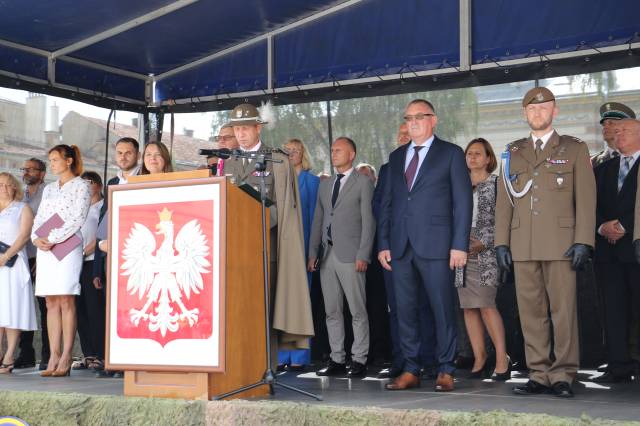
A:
[(239, 113), (540, 97), (557, 161), (608, 107), (560, 180)]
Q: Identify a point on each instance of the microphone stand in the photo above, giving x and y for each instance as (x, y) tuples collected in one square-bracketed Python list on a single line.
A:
[(268, 378)]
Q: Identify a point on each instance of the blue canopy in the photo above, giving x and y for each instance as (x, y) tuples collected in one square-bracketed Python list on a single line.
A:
[(182, 55)]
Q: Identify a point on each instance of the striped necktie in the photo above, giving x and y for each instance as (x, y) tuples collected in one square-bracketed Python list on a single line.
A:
[(625, 163)]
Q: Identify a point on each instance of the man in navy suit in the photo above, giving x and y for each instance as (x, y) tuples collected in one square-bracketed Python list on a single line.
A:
[(423, 232)]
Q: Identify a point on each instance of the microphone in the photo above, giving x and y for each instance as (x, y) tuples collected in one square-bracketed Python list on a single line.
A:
[(223, 153)]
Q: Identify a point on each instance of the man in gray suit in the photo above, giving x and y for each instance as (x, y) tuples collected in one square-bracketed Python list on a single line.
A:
[(343, 225)]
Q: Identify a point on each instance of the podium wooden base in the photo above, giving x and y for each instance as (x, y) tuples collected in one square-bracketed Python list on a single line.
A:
[(167, 385)]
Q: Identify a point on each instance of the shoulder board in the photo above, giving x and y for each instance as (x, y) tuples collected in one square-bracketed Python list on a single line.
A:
[(515, 145), (567, 138)]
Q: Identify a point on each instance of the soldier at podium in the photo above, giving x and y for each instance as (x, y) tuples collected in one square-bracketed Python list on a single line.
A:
[(290, 303)]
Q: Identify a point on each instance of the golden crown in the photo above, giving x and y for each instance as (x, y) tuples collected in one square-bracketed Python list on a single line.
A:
[(165, 215)]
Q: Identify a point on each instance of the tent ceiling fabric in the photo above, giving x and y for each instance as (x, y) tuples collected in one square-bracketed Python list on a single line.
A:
[(206, 54)]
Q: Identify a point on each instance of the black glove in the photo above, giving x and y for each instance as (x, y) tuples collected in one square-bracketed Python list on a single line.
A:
[(580, 255), (503, 255), (636, 246)]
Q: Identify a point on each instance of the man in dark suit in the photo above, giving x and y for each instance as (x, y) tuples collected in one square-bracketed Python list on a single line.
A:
[(423, 232), (127, 159), (616, 267), (427, 330)]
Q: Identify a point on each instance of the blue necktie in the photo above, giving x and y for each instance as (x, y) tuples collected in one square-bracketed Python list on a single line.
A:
[(625, 162)]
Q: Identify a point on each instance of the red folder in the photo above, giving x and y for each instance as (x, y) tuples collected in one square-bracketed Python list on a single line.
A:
[(60, 250)]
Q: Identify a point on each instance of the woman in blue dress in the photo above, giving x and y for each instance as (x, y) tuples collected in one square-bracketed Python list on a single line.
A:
[(296, 360)]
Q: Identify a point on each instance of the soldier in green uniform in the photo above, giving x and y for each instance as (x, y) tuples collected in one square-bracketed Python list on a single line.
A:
[(545, 219)]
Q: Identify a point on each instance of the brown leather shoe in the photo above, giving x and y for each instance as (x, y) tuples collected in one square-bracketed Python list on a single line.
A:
[(404, 381), (444, 383)]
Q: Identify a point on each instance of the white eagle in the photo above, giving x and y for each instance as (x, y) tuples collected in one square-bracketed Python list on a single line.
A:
[(164, 277)]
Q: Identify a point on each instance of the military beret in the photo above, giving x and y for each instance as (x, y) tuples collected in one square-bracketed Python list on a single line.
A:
[(615, 111), (245, 114), (538, 95)]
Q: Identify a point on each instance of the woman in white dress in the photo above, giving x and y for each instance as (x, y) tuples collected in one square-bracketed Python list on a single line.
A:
[(59, 280), (17, 311)]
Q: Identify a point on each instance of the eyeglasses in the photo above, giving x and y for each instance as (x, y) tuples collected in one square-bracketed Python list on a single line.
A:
[(417, 117), (223, 138), (30, 170)]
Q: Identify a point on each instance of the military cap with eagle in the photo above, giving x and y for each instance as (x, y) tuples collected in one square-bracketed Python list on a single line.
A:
[(245, 114), (538, 95), (615, 111)]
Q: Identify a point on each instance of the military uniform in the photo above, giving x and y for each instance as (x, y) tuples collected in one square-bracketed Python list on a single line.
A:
[(546, 203)]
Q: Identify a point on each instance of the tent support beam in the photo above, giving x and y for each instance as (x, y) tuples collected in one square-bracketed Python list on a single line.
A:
[(136, 22), (584, 53), (465, 35), (257, 39)]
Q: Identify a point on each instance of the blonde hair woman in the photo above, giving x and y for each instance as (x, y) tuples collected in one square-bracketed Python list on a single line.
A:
[(17, 311)]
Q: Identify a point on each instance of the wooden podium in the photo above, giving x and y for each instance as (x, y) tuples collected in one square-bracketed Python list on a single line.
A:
[(241, 302)]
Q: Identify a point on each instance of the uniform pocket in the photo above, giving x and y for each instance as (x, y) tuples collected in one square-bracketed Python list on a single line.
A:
[(566, 222), (560, 181)]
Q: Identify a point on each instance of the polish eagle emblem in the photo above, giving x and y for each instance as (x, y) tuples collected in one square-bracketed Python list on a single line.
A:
[(164, 279)]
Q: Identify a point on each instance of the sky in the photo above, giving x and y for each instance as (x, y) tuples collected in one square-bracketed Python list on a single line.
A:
[(200, 123)]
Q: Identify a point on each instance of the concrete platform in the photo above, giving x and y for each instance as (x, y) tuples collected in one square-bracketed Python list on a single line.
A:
[(620, 402)]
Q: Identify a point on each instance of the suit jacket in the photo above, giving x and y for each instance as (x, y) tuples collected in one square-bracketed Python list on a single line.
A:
[(616, 205), (435, 216), (351, 219), (378, 192), (636, 230), (559, 209), (601, 157)]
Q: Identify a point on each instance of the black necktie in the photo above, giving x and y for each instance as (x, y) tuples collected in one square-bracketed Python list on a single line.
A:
[(336, 189), (334, 197)]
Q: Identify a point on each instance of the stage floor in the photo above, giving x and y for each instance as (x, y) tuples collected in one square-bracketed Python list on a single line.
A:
[(614, 402)]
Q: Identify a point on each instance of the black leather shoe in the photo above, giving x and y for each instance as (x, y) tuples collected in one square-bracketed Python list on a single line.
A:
[(356, 369), (530, 388), (389, 373), (609, 377), (23, 363), (562, 390), (332, 369), (280, 368), (42, 366)]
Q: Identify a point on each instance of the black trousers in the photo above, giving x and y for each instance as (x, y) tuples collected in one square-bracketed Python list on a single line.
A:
[(27, 352), (91, 312), (621, 290)]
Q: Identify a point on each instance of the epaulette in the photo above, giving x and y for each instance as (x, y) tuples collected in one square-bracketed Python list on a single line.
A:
[(571, 138), (515, 145)]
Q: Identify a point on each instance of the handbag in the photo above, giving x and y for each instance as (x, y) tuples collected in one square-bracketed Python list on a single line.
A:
[(3, 249)]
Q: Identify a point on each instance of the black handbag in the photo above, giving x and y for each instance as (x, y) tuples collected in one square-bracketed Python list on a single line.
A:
[(3, 249)]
